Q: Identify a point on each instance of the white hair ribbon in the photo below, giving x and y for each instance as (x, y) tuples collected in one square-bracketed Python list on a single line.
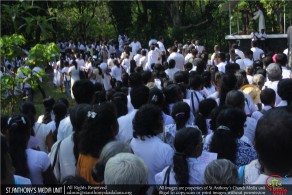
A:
[(91, 114)]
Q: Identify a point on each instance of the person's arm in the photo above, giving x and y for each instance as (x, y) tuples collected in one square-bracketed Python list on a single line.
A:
[(256, 15)]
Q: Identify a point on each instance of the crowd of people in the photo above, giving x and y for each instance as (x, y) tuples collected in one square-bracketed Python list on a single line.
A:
[(155, 116)]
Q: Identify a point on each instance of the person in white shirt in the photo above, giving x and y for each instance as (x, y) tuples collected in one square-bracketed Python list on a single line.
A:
[(139, 96), (143, 60), (83, 91), (171, 69), (138, 56), (214, 55), (254, 35), (268, 98), (153, 57), (246, 61), (263, 39), (187, 169), (285, 92), (273, 140), (162, 48), (116, 71), (282, 60), (194, 94), (192, 53), (199, 47), (221, 63), (274, 75), (110, 61), (238, 51), (256, 51), (179, 58), (147, 124), (66, 78), (135, 45), (152, 41), (260, 15)]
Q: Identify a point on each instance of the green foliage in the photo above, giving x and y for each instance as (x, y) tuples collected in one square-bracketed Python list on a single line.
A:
[(10, 46), (41, 54)]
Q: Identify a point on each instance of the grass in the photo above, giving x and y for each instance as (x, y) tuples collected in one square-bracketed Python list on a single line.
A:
[(50, 90)]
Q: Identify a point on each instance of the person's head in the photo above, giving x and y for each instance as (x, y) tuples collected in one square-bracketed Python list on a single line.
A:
[(267, 61), (275, 127), (18, 135), (188, 144), (83, 91), (274, 72), (221, 172), (235, 99), (171, 64), (48, 103), (254, 43), (60, 112), (230, 124), (268, 97), (156, 97), (74, 63), (126, 172), (119, 99), (221, 57), (281, 59), (99, 128), (231, 68), (196, 81), (7, 169), (172, 94), (248, 54), (205, 108), (28, 109), (135, 79), (181, 114), (228, 83), (258, 64), (148, 122), (78, 115), (108, 151), (139, 96), (235, 46), (181, 77), (285, 90), (258, 80)]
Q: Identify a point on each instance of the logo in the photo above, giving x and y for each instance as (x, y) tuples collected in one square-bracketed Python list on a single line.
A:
[(275, 184)]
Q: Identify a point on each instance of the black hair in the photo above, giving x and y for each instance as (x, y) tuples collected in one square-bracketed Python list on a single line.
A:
[(172, 94), (268, 96), (207, 79), (83, 91), (181, 77), (224, 142), (285, 90), (181, 114), (222, 56), (120, 101), (185, 142), (231, 68), (267, 61), (133, 65), (171, 64), (281, 59), (135, 79), (28, 109), (235, 99), (4, 125), (75, 64), (273, 140), (156, 97), (60, 111), (77, 117), (196, 81), (65, 101), (148, 121), (18, 136), (205, 108), (139, 96), (100, 127), (188, 66), (48, 104), (257, 65), (229, 82)]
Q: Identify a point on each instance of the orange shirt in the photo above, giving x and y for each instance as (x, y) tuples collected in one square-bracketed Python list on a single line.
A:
[(84, 167)]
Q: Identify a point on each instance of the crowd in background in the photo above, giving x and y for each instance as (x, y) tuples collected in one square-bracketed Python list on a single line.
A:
[(154, 116)]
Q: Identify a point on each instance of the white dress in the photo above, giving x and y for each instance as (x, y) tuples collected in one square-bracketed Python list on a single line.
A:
[(74, 77)]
